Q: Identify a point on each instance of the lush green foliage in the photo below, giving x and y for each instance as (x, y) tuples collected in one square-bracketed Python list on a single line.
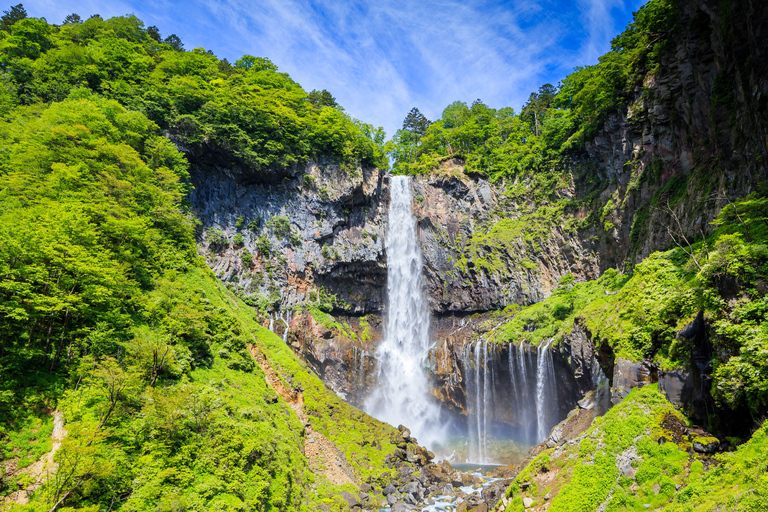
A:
[(587, 473), (251, 113), (739, 482), (627, 461), (108, 315)]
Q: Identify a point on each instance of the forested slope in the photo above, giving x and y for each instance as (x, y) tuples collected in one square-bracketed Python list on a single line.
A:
[(107, 313)]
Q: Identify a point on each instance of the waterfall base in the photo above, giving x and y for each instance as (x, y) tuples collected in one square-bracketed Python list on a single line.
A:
[(501, 451)]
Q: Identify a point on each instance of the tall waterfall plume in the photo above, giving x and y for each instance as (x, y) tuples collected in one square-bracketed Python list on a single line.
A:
[(402, 394)]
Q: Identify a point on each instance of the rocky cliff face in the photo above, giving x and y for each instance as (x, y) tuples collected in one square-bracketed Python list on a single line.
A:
[(462, 274), (694, 136), (301, 240)]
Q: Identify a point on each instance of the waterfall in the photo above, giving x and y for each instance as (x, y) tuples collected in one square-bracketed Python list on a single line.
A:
[(545, 379), (528, 411), (512, 378), (479, 399), (287, 321), (402, 392), (602, 388)]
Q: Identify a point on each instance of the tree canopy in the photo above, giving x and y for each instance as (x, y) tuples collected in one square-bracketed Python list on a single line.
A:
[(249, 111)]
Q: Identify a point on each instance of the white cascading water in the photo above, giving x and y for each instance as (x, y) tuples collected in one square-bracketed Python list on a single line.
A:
[(402, 392), (480, 400), (602, 388), (525, 407), (545, 377)]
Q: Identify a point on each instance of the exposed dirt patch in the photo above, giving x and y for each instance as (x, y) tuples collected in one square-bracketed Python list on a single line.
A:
[(323, 456), (675, 428), (39, 471)]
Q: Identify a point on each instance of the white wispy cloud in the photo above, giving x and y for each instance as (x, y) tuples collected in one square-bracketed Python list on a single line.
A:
[(380, 58)]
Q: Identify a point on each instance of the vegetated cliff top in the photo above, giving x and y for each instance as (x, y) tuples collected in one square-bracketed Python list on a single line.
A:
[(248, 113)]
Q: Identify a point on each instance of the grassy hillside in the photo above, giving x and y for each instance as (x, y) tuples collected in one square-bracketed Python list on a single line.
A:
[(108, 315), (639, 456)]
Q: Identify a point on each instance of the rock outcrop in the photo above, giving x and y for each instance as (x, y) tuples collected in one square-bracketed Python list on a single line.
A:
[(308, 238)]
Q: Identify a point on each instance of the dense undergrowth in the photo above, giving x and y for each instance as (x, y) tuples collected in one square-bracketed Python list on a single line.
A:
[(638, 457)]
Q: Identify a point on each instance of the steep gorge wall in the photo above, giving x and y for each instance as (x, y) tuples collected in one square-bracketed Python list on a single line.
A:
[(317, 233), (694, 136)]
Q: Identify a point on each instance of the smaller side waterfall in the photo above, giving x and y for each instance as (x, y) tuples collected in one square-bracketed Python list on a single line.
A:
[(602, 389), (545, 378), (530, 392), (477, 400), (524, 400)]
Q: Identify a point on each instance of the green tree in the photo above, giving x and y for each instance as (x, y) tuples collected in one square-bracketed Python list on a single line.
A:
[(538, 103), (154, 33), (10, 17), (415, 122), (72, 19), (174, 42), (322, 99), (249, 62)]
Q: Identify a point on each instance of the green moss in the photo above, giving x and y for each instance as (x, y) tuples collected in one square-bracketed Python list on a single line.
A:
[(588, 476), (738, 482)]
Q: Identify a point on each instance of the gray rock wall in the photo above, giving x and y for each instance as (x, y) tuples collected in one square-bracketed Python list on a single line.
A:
[(337, 222)]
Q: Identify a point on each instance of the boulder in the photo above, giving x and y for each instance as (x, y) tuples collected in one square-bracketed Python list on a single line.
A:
[(527, 502), (389, 489), (352, 500), (677, 385), (409, 499), (628, 375)]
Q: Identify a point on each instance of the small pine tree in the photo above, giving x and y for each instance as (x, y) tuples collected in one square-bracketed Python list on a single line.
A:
[(9, 18), (175, 42), (72, 19), (154, 33)]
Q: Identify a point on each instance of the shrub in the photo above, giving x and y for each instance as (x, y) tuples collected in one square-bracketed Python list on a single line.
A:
[(216, 237), (264, 246), (246, 258)]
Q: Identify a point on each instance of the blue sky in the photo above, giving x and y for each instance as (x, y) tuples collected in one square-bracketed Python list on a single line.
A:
[(380, 58)]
